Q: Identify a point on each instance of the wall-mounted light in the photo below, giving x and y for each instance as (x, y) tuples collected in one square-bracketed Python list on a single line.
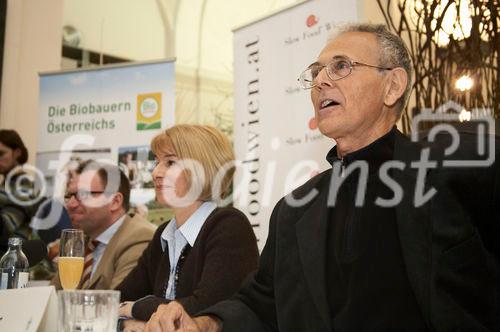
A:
[(456, 22), (464, 83)]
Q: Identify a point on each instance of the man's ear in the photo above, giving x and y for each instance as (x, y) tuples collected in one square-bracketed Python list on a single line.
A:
[(398, 79), (117, 201)]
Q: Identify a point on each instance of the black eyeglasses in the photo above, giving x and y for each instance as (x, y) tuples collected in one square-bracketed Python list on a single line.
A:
[(81, 195), (336, 69)]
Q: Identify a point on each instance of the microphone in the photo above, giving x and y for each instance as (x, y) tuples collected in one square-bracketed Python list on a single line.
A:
[(35, 251)]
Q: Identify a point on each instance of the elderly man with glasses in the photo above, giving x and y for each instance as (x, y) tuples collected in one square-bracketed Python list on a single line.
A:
[(388, 239), (97, 201)]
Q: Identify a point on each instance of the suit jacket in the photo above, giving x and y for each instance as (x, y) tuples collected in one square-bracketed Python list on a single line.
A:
[(449, 244), (121, 253)]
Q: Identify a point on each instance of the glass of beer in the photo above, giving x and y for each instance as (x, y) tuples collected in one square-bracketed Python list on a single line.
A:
[(71, 256)]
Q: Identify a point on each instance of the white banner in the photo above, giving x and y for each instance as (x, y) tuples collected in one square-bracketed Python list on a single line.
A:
[(279, 146), (109, 112)]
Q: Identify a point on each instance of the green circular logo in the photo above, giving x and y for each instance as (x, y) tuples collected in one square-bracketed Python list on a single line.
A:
[(149, 107)]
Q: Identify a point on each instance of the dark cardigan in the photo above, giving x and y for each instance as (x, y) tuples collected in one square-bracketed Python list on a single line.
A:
[(224, 253)]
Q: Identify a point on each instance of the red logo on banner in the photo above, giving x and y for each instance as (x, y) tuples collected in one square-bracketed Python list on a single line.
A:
[(313, 124), (311, 20)]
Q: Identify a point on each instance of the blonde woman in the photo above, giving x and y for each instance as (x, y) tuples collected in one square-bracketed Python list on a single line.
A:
[(203, 254)]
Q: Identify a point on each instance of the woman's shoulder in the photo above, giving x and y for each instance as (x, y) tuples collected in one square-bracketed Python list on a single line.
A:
[(227, 226), (227, 220), (227, 213)]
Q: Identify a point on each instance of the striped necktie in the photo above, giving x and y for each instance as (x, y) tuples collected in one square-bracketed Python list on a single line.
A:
[(88, 263)]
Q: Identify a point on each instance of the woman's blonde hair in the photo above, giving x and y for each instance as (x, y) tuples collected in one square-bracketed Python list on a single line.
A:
[(206, 145)]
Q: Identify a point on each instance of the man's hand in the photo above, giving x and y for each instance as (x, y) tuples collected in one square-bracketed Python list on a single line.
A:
[(132, 325), (173, 318)]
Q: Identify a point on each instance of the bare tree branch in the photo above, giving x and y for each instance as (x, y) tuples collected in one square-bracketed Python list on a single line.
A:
[(437, 67)]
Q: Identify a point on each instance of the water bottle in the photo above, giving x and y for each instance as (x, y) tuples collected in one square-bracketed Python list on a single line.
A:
[(14, 266)]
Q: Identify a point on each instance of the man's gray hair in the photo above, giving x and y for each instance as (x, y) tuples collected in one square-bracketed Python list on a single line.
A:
[(393, 53)]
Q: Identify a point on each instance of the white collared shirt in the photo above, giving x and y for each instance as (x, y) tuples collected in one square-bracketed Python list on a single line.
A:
[(177, 238), (104, 239)]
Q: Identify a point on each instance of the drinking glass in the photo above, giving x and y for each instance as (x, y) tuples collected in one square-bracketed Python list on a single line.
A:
[(88, 310), (71, 257)]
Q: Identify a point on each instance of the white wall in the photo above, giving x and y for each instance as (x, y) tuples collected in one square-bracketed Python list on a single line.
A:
[(214, 51), (131, 29), (204, 52), (32, 44)]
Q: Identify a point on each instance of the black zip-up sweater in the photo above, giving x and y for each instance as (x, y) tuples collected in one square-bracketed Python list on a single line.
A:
[(367, 282)]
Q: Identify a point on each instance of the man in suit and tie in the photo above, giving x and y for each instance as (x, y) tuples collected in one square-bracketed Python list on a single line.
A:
[(97, 200), (386, 239)]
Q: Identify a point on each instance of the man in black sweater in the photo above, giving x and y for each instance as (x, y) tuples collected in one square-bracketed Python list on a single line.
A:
[(389, 238)]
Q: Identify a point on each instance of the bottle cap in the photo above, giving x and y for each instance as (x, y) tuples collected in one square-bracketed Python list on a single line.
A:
[(15, 241)]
